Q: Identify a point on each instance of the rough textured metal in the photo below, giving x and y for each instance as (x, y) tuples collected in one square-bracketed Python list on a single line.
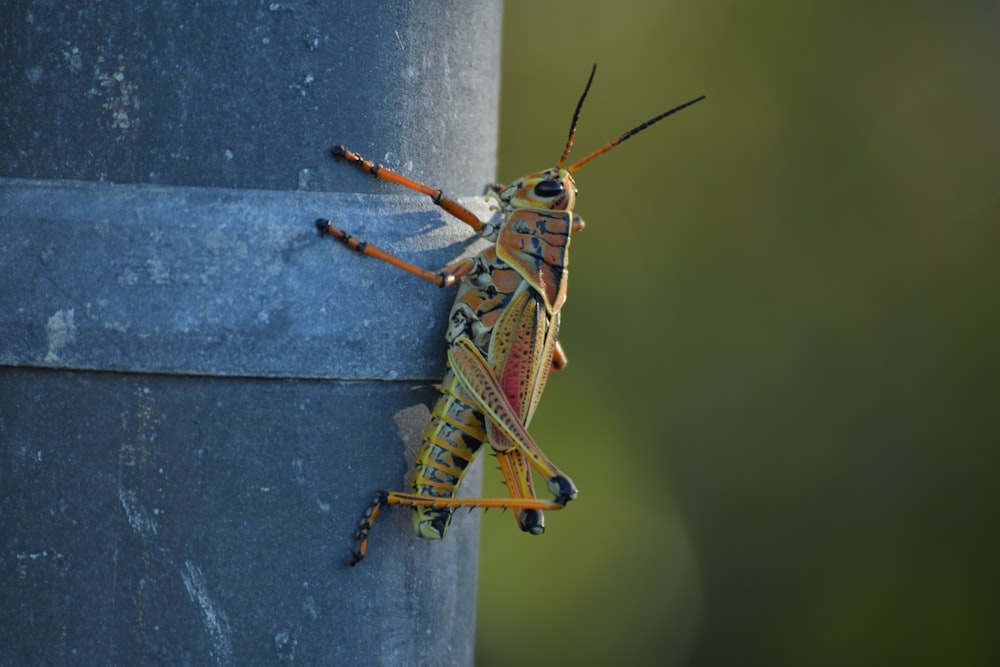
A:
[(214, 281), (198, 394), (158, 519), (249, 95)]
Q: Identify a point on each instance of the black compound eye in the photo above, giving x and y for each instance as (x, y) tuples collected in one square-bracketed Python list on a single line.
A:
[(549, 188)]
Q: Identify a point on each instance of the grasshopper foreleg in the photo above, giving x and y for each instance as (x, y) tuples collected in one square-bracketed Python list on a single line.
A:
[(443, 277), (449, 204)]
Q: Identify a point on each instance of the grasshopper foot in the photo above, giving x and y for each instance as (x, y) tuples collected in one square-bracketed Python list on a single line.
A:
[(532, 521), (365, 527), (562, 488)]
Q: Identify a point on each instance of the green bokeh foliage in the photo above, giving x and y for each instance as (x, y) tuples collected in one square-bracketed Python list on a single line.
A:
[(782, 326)]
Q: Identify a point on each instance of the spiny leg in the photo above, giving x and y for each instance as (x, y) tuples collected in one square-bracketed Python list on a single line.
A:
[(477, 377), (517, 476), (443, 277), (437, 196), (384, 498)]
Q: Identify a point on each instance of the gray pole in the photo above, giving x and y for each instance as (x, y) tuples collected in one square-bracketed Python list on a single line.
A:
[(198, 394)]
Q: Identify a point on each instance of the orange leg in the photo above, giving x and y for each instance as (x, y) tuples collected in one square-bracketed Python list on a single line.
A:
[(437, 196), (517, 475), (477, 377), (443, 277), (416, 500)]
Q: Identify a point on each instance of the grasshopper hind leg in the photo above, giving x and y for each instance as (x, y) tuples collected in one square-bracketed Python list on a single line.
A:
[(431, 523)]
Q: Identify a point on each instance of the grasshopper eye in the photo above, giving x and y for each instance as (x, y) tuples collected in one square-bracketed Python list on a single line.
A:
[(549, 188)]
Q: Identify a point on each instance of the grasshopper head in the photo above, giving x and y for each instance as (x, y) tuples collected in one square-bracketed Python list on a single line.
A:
[(553, 189), (550, 190)]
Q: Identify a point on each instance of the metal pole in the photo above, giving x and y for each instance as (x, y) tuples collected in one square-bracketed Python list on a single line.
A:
[(198, 394)]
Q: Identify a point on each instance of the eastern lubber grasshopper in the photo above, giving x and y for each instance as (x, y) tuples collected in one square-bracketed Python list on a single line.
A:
[(502, 341)]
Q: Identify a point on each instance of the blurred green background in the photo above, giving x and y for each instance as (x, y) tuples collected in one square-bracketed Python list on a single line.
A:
[(782, 327)]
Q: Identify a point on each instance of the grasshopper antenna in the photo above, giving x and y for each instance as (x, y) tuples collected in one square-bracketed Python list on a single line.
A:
[(576, 118), (614, 142)]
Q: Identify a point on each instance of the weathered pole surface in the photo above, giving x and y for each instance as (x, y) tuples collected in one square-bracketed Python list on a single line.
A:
[(198, 394)]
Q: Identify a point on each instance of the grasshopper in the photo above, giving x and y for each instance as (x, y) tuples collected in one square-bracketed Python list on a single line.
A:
[(502, 341)]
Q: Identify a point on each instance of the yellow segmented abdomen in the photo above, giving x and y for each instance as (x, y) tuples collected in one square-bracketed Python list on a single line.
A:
[(451, 441)]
